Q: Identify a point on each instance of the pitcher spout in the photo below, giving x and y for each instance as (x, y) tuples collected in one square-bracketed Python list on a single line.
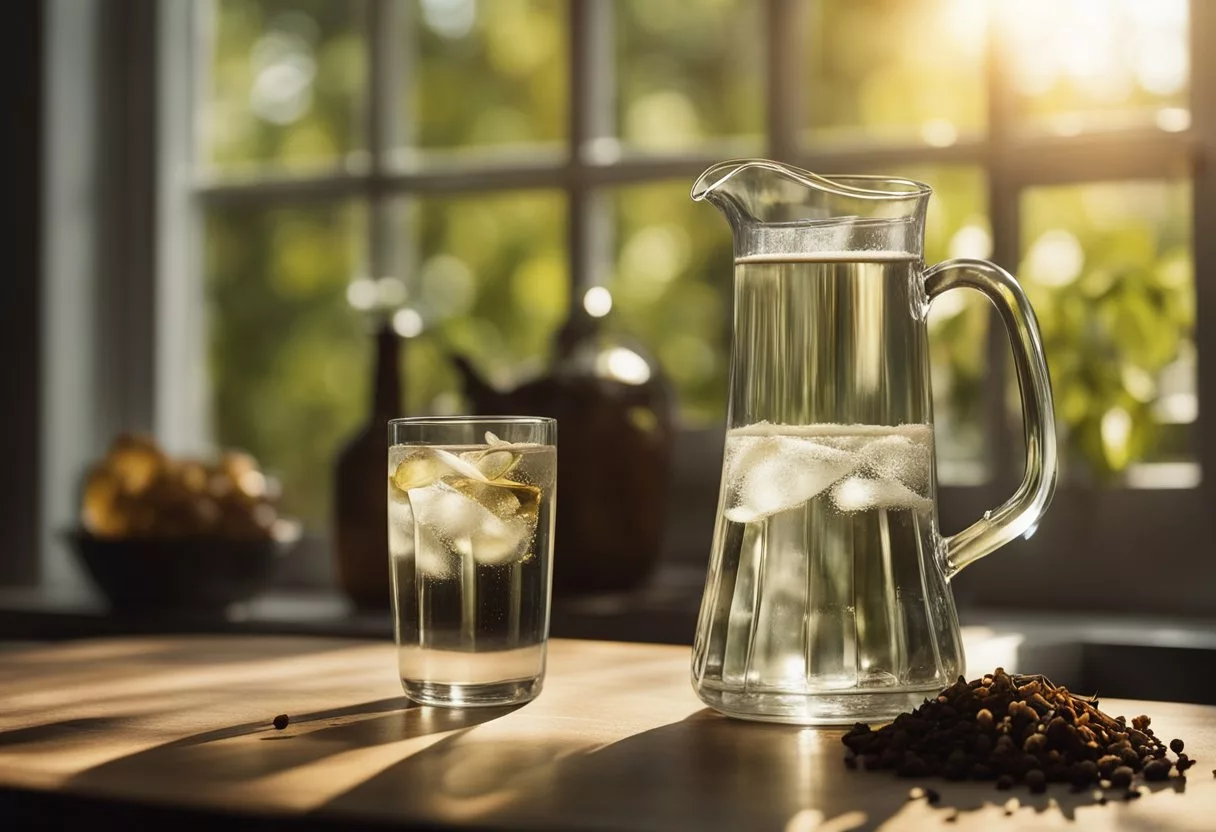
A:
[(787, 206), (753, 190)]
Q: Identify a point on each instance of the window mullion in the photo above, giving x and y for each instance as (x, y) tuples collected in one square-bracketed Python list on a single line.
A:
[(591, 78), (377, 104), (1203, 195), (1144, 154), (783, 77), (182, 388), (1003, 197)]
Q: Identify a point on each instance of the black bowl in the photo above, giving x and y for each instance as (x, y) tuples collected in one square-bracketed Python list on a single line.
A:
[(198, 574)]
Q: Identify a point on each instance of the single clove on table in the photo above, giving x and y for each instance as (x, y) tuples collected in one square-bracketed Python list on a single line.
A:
[(1014, 728)]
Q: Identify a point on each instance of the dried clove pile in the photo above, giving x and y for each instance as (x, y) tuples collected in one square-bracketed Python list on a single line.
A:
[(1015, 729)]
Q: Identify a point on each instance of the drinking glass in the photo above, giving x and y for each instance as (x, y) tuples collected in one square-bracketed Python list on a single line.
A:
[(470, 523)]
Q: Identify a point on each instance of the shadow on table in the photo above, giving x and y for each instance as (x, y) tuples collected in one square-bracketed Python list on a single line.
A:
[(703, 772), (255, 749), (64, 730), (459, 781)]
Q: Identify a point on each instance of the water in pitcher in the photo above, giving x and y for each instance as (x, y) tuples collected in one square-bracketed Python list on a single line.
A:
[(825, 585), (468, 533)]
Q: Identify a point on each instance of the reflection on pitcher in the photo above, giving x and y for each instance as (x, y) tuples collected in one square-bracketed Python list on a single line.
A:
[(827, 598)]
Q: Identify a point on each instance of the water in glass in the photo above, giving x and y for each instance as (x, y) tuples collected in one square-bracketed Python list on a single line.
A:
[(469, 541), (828, 578)]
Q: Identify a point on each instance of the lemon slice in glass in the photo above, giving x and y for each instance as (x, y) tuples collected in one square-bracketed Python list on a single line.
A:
[(497, 464), (418, 471)]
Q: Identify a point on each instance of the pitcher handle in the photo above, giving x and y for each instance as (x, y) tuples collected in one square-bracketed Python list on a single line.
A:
[(1022, 511)]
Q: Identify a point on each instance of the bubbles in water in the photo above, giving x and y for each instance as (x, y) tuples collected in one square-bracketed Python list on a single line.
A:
[(863, 494), (774, 468), (771, 474), (538, 470), (493, 464), (897, 457), (499, 500), (400, 527), (432, 556), (446, 510), (454, 464), (479, 503), (417, 471), (491, 534)]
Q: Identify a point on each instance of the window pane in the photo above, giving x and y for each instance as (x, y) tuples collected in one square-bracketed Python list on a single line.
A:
[(1077, 64), (671, 287), (484, 74), (687, 72), (288, 357), (1108, 269), (492, 284), (284, 83), (896, 69)]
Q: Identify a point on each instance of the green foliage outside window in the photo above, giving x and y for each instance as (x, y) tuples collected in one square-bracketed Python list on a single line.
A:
[(484, 74), (1108, 269), (486, 274), (286, 83), (491, 284), (688, 72), (288, 360)]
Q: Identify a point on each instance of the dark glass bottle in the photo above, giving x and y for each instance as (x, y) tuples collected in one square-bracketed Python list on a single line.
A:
[(360, 483), (615, 420)]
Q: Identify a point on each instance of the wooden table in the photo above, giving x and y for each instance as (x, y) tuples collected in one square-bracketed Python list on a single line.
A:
[(616, 741)]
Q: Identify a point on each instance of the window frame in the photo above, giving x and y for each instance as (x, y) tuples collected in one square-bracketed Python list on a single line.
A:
[(1117, 525)]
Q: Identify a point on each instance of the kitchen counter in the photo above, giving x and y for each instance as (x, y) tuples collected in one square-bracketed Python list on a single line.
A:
[(168, 725)]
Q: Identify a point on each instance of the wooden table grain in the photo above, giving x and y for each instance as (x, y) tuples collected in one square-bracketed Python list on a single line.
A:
[(617, 740)]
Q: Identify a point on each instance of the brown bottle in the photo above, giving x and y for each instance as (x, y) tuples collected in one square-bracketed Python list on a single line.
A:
[(613, 459), (360, 502)]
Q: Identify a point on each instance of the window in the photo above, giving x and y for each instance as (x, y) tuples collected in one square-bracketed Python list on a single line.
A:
[(475, 167)]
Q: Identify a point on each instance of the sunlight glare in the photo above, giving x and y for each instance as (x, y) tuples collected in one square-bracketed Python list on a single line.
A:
[(1116, 430), (1173, 119), (407, 322), (939, 132), (1056, 258), (971, 240), (597, 301), (361, 293), (451, 19), (1161, 63), (391, 291), (1104, 48), (1162, 14), (624, 365), (967, 22)]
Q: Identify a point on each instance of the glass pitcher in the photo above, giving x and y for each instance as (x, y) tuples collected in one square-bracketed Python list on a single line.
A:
[(827, 598)]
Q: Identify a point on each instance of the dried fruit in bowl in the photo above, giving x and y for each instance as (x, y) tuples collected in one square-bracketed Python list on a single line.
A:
[(137, 491)]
